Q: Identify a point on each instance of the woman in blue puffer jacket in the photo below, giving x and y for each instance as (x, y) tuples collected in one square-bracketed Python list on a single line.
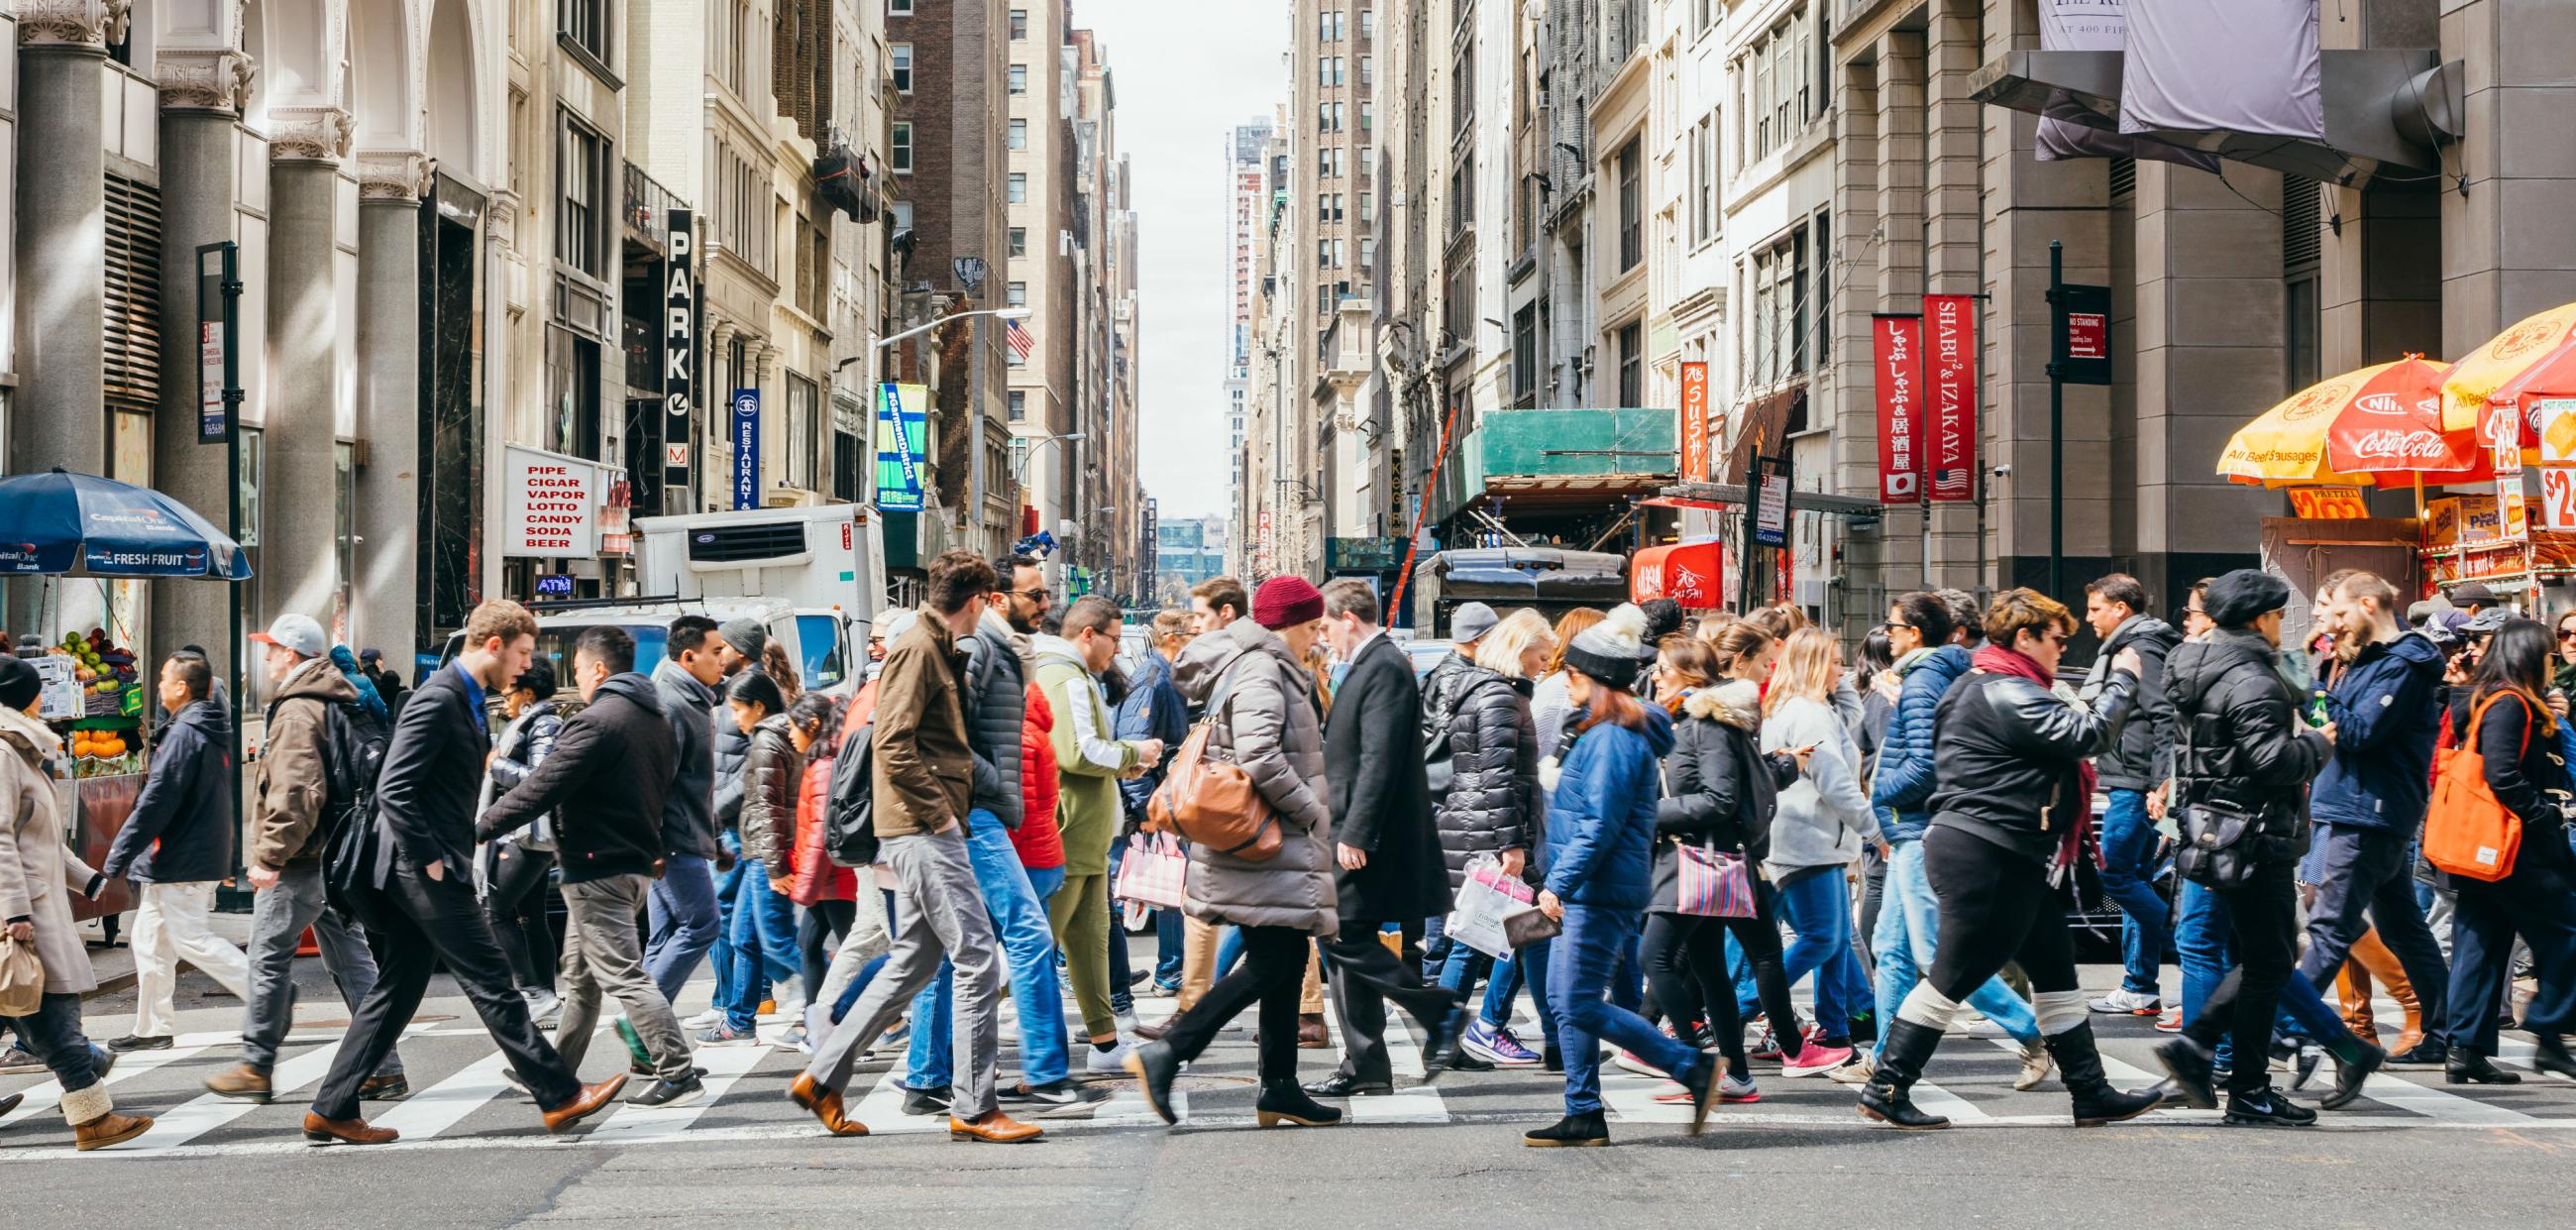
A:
[(1599, 856)]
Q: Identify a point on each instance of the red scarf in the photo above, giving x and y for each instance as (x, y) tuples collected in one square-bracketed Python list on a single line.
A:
[(1996, 659)]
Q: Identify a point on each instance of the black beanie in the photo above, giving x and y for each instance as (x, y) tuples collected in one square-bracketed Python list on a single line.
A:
[(2243, 596), (19, 683)]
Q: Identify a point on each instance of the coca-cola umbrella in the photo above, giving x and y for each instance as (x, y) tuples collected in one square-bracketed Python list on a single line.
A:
[(2496, 370), (2377, 426)]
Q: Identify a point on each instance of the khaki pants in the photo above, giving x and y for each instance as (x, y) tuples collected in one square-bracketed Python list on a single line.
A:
[(1198, 968)]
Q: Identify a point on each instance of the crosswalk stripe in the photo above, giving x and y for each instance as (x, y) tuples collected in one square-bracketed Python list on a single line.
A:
[(1409, 1103), (208, 1112), (2520, 1054), (882, 1109), (2435, 1104), (46, 1096), (443, 1105), (724, 1065), (1933, 1099)]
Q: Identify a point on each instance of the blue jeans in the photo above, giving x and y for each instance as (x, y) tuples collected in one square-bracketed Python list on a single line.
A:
[(2367, 869), (763, 935), (2203, 938), (1816, 908), (1229, 949), (1463, 966), (720, 955), (2128, 879), (680, 908), (1584, 959), (1028, 950), (1909, 930), (1171, 929)]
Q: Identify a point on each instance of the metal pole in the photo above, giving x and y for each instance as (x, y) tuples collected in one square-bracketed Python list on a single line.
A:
[(2056, 419), (229, 291)]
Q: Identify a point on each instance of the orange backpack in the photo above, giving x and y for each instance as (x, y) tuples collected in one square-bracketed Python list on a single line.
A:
[(2467, 830)]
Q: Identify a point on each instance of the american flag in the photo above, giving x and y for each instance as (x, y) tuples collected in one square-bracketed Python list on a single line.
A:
[(1020, 341)]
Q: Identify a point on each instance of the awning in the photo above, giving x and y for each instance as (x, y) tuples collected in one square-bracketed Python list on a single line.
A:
[(1690, 573), (1764, 424)]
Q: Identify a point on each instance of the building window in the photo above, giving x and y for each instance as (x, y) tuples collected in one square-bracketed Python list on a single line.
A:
[(1525, 354), (2300, 247), (1019, 405), (1019, 189), (1019, 241), (1368, 77), (1368, 207), (572, 393), (1368, 253), (1019, 79), (584, 23), (899, 154), (1329, 26), (1462, 195), (1632, 208), (1703, 204), (1328, 70), (583, 172), (899, 62), (1780, 74), (1784, 309), (1368, 118), (1632, 364), (1018, 295), (1019, 134), (1019, 25), (898, 8), (804, 433)]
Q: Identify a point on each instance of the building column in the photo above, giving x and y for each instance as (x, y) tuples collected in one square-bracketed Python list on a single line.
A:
[(201, 97), (58, 415), (1953, 242), (2506, 234), (1881, 553), (300, 486), (387, 517)]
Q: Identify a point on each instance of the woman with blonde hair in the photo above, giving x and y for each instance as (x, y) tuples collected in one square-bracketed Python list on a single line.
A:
[(1824, 819), (1494, 807)]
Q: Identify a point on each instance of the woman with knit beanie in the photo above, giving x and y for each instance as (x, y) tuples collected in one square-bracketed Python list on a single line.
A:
[(1599, 859), (1252, 678), (37, 872)]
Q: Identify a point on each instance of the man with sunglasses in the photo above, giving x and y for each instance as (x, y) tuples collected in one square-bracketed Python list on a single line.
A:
[(996, 700)]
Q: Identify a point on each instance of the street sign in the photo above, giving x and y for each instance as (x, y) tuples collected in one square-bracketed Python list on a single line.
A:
[(554, 585), (2083, 333), (679, 348), (1771, 503), (550, 505), (1694, 422), (746, 448)]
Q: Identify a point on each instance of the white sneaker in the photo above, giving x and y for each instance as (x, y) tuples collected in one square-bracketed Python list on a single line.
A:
[(1632, 1062), (708, 1019), (1126, 1023), (2125, 1002), (1110, 1062), (544, 1007)]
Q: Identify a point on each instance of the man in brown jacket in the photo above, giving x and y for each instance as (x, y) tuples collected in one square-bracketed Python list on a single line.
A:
[(924, 788), (291, 790)]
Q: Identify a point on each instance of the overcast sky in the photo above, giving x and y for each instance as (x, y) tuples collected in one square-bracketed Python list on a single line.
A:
[(1186, 73)]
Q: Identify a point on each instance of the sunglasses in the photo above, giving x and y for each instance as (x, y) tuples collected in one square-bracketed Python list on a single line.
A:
[(1894, 624), (1040, 594), (2566, 634)]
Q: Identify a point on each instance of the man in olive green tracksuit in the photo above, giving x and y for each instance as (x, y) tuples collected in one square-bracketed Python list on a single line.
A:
[(1088, 807)]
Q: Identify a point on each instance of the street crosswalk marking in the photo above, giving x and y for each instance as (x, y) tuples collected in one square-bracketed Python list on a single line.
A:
[(208, 1112), (49, 1095), (725, 1065), (2435, 1104), (428, 1112)]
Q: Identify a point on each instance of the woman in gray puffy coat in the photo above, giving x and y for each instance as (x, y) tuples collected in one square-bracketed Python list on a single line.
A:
[(1495, 807), (1253, 681)]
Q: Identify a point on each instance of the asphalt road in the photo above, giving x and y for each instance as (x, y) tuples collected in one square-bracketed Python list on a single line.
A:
[(475, 1156)]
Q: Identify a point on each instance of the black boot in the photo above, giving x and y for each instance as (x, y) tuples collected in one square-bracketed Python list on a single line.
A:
[(2189, 1065), (1587, 1130), (2467, 1067), (2551, 1055), (2355, 1060), (1282, 1101), (2096, 1102), (1154, 1066), (1888, 1095)]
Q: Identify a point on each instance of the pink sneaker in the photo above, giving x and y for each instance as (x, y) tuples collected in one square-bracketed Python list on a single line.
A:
[(1815, 1059)]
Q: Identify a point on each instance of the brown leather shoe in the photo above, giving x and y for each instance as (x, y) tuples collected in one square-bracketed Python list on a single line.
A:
[(1311, 1035), (384, 1089), (347, 1131), (825, 1105), (109, 1129), (585, 1103), (994, 1128), (240, 1082), (1152, 1032)]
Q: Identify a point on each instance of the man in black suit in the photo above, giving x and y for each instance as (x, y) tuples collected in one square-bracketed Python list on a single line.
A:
[(420, 860), (1386, 846)]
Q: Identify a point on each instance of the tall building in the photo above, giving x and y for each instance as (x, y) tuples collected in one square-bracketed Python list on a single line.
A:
[(1041, 101), (1247, 201)]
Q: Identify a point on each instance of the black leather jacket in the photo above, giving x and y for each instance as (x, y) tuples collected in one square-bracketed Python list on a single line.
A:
[(2005, 755), (2239, 740)]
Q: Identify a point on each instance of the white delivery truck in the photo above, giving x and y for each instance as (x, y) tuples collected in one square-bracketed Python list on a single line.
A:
[(813, 577)]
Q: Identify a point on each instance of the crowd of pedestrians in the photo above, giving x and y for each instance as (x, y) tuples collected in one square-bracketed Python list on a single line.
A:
[(1672, 830)]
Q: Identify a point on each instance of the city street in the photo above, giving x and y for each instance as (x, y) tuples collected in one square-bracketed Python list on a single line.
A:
[(473, 1154)]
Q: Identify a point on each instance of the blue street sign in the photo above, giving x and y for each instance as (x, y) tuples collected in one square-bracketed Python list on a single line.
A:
[(746, 448)]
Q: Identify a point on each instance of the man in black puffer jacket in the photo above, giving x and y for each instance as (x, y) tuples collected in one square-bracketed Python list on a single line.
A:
[(2241, 750), (608, 774)]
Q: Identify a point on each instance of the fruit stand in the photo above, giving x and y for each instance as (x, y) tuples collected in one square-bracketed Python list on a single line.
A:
[(73, 529)]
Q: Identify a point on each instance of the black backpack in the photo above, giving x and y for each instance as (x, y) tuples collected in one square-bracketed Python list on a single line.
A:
[(849, 815), (353, 755)]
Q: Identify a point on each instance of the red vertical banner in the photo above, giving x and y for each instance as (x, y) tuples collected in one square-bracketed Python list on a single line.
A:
[(1950, 376), (1896, 344), (1694, 422)]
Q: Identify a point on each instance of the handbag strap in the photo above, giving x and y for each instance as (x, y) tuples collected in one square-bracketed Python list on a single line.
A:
[(2478, 715)]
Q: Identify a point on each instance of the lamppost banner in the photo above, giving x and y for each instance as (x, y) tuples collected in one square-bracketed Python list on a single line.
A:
[(902, 424), (1950, 371), (746, 448), (1896, 345)]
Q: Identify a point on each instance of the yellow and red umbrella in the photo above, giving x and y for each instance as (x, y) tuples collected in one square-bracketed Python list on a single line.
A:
[(2377, 426), (2496, 371)]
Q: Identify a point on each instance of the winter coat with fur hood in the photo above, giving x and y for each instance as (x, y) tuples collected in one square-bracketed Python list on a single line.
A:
[(1720, 790)]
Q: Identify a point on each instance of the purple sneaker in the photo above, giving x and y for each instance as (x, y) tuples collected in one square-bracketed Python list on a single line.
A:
[(1497, 1047)]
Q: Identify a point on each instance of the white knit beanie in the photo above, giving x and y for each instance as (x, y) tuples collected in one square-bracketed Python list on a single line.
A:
[(1610, 651)]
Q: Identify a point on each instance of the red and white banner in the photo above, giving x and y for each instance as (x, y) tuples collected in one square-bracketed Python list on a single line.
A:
[(1694, 422), (1950, 371), (1896, 344)]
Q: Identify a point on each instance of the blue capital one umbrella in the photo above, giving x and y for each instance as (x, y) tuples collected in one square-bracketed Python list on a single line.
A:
[(59, 523)]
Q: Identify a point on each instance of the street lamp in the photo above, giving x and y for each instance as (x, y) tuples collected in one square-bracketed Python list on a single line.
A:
[(1007, 313), (1020, 472)]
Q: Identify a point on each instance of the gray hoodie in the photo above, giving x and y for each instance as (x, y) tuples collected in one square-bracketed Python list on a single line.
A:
[(1824, 816)]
